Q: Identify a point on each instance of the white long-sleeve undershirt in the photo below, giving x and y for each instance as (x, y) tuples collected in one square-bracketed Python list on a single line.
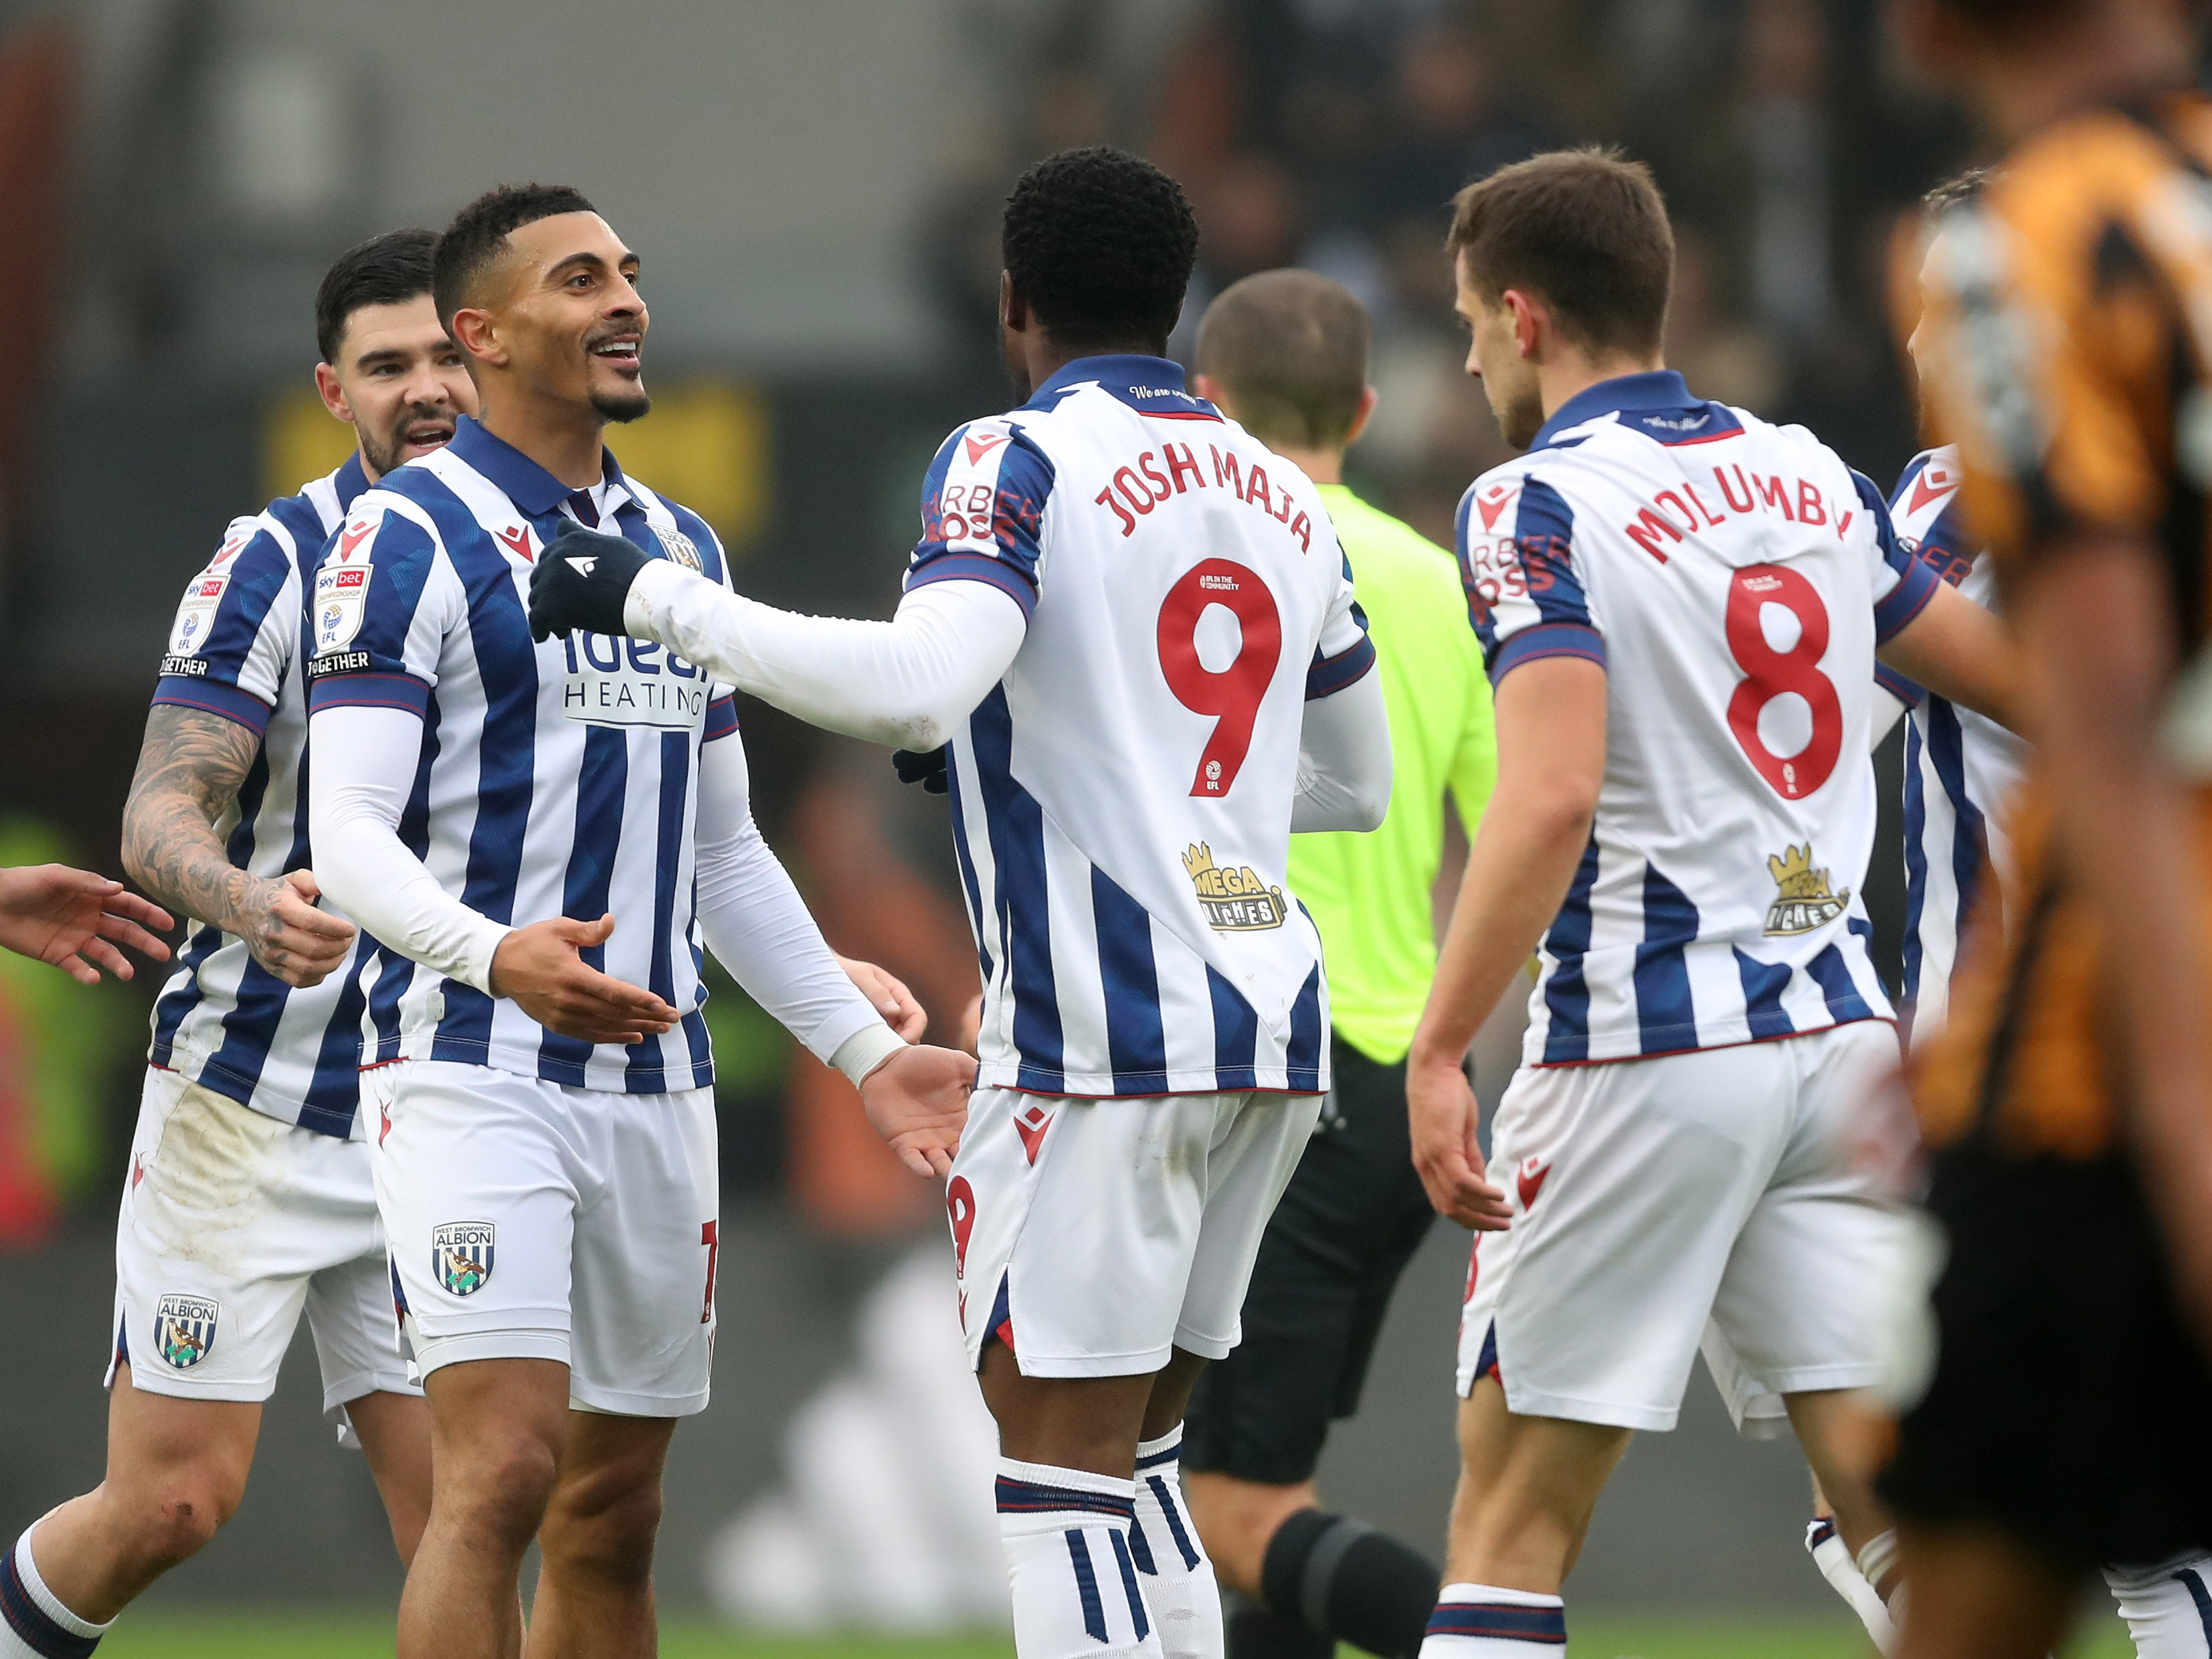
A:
[(907, 682), (753, 918)]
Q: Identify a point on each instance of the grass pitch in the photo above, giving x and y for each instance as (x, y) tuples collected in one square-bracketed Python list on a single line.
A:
[(192, 1635)]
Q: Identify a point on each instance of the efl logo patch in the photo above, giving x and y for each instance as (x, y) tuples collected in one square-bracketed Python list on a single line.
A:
[(680, 548), (183, 1329), (195, 615), (460, 1255), (341, 600)]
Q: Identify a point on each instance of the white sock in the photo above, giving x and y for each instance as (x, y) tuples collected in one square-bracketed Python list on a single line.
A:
[(33, 1624), (1065, 1532), (1178, 1582), (2169, 1608), (1843, 1576), (1485, 1621)]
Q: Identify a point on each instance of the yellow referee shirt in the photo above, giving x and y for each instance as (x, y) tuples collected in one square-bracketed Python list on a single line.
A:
[(1369, 895)]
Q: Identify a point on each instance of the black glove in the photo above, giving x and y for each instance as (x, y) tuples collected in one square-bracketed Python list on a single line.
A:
[(581, 580), (926, 769)]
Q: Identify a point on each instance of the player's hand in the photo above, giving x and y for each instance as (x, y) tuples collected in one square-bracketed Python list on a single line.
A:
[(889, 995), (918, 1102), (294, 940), (580, 581), (62, 917), (1443, 1114), (540, 968), (928, 767)]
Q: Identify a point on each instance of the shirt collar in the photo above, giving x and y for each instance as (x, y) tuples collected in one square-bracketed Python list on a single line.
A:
[(1126, 375), (524, 482), (349, 481), (1657, 388)]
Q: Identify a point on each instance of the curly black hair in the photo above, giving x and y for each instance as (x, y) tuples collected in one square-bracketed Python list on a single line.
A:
[(1101, 244), (480, 230), (381, 271)]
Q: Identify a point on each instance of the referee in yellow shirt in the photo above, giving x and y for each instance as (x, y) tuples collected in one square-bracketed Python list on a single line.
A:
[(1284, 354)]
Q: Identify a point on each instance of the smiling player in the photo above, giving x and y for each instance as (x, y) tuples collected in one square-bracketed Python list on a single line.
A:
[(544, 1145)]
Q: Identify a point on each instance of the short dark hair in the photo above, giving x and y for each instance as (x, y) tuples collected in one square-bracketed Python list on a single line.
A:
[(1959, 187), (381, 271), (1101, 244), (1289, 347), (480, 230), (1586, 229)]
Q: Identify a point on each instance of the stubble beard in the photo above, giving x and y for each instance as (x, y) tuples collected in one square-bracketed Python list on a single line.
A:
[(622, 406)]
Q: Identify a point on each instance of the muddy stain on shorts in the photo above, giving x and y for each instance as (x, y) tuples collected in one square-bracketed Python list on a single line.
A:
[(206, 1179)]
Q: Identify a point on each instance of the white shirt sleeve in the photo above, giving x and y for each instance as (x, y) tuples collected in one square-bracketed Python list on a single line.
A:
[(759, 928), (1344, 760), (364, 768), (908, 682)]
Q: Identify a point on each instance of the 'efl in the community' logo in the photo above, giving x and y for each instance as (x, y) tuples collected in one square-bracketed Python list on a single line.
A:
[(461, 1255)]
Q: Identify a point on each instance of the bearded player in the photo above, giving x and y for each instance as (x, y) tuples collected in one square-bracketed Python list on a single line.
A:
[(1134, 624), (247, 1131)]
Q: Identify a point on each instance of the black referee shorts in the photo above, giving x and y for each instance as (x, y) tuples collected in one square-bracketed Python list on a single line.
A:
[(1351, 1218), (2070, 1407)]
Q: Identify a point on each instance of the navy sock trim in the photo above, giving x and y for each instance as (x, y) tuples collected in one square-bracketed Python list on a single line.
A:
[(30, 1621), (1141, 1548), (1546, 1626), (1129, 1586), (1032, 1497), (1086, 1584), (1174, 1523), (1159, 1457), (2193, 1582)]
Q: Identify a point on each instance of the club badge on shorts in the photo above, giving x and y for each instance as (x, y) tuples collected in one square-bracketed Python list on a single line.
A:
[(183, 1329), (461, 1255)]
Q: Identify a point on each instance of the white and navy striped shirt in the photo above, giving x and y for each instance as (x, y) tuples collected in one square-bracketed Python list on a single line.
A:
[(1958, 765), (1733, 578), (1121, 799), (554, 779), (222, 1019)]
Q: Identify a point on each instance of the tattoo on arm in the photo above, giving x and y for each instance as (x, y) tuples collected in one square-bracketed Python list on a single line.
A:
[(189, 771)]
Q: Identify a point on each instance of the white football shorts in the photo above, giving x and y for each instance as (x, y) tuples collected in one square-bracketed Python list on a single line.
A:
[(1093, 1235), (233, 1224), (531, 1220), (1650, 1197)]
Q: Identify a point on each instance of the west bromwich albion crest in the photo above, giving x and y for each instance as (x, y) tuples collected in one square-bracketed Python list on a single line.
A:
[(184, 1329), (461, 1255), (679, 547)]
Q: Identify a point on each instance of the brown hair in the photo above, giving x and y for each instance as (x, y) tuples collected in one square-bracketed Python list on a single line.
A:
[(1584, 228), (1291, 349)]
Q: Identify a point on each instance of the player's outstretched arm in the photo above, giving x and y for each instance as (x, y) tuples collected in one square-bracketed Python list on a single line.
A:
[(1344, 760), (907, 682), (1550, 763), (190, 767), (1958, 651), (62, 917)]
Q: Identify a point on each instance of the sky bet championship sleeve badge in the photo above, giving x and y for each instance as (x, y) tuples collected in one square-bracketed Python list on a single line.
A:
[(196, 615), (1234, 900), (184, 1329), (341, 596), (1801, 899), (461, 1255)]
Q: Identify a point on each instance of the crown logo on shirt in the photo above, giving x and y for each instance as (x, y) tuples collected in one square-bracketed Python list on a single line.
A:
[(1234, 898), (1803, 900)]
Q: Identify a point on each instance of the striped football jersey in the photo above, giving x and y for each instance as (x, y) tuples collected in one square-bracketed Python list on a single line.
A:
[(556, 779), (222, 1019), (1121, 799), (1733, 578)]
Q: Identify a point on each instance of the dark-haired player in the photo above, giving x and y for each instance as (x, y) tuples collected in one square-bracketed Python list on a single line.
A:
[(2064, 349), (1284, 354), (249, 1200), (545, 834), (1131, 626), (1680, 606)]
